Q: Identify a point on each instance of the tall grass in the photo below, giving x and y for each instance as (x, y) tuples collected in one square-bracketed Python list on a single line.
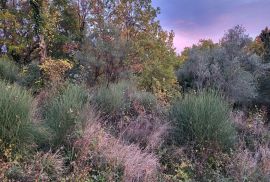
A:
[(120, 98), (15, 115), (145, 99), (8, 70), (202, 118), (62, 113), (113, 99)]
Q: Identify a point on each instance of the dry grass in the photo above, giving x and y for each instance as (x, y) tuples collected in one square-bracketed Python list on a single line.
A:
[(137, 164), (46, 166), (254, 124), (250, 165), (251, 161), (148, 131)]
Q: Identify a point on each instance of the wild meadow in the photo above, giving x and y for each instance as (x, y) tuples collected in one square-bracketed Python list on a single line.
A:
[(95, 91)]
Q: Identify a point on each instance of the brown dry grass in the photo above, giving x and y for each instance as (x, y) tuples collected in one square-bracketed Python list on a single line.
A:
[(148, 131), (251, 162), (137, 164)]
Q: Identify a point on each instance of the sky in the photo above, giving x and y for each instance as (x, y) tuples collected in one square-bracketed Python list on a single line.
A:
[(192, 20)]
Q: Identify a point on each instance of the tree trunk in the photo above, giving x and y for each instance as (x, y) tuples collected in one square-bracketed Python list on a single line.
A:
[(43, 49)]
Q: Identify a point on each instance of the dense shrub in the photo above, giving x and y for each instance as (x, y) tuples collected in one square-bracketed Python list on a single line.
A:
[(32, 77), (8, 70), (202, 118), (145, 99), (54, 70), (226, 67), (62, 113), (121, 98), (103, 59), (112, 99), (15, 111)]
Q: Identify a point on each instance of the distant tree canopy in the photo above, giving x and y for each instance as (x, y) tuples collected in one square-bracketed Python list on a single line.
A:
[(226, 66), (264, 38), (105, 39)]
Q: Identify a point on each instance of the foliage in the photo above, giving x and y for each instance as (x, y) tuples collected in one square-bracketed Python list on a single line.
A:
[(17, 31), (145, 99), (62, 113), (114, 99), (8, 70), (264, 39), (32, 77), (54, 70), (15, 112), (103, 55), (107, 44), (158, 66), (202, 118), (263, 88), (225, 67), (122, 98)]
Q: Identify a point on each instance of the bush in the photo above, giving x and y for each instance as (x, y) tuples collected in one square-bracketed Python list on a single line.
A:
[(32, 78), (111, 100), (8, 70), (145, 99), (15, 111), (202, 118), (54, 70), (118, 98), (62, 113), (226, 67)]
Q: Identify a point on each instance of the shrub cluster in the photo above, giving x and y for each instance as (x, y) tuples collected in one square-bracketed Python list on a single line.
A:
[(202, 118), (62, 112), (8, 70), (15, 116), (120, 98)]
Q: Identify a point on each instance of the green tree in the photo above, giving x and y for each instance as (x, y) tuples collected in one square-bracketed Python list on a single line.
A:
[(264, 37), (226, 67), (16, 23), (103, 55), (159, 60)]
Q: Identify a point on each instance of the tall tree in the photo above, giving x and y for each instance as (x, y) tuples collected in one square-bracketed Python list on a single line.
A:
[(264, 37), (39, 8)]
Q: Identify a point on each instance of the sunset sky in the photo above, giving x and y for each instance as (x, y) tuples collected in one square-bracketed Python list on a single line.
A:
[(192, 20)]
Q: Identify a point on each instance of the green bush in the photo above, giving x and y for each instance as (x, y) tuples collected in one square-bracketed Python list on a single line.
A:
[(8, 70), (146, 99), (62, 113), (203, 118), (113, 99), (15, 115), (32, 78)]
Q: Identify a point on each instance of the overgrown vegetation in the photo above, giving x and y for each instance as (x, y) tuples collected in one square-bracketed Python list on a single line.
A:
[(203, 118), (8, 70), (62, 112), (95, 91), (15, 119)]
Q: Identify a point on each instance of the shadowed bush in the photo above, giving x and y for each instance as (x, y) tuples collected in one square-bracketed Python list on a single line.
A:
[(110, 100), (202, 118), (15, 113), (62, 113), (8, 70), (145, 99), (120, 97), (32, 78)]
